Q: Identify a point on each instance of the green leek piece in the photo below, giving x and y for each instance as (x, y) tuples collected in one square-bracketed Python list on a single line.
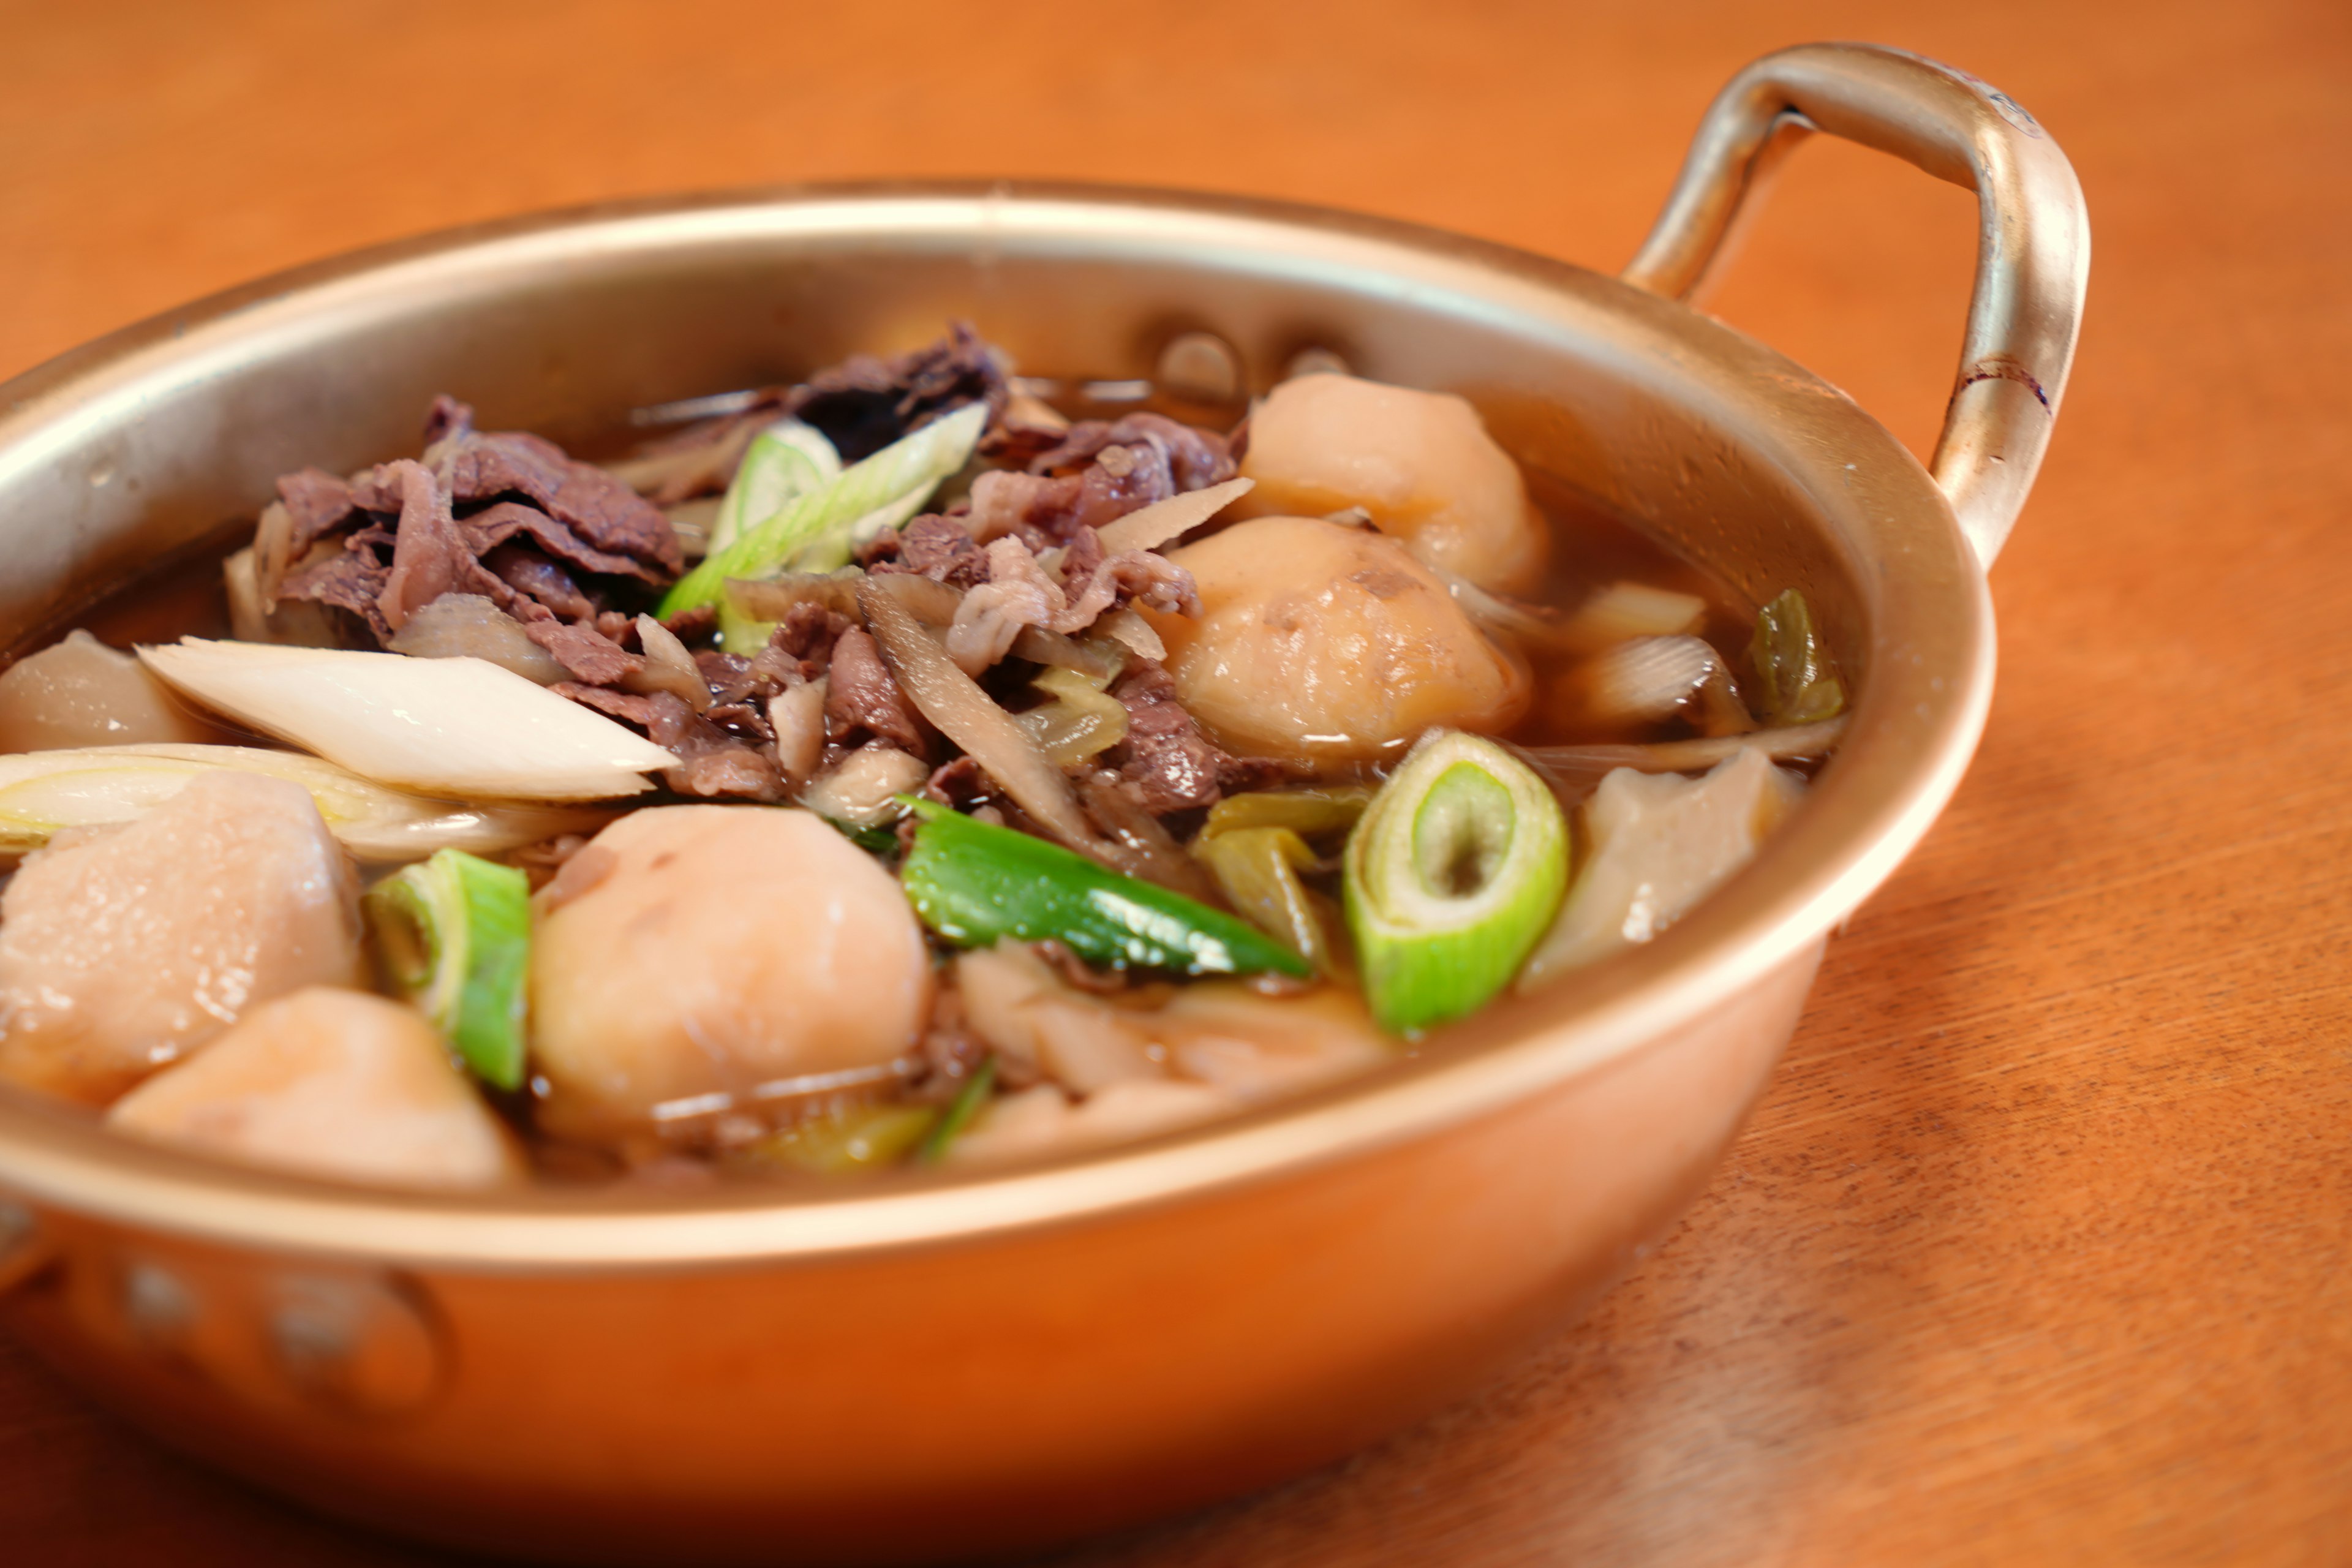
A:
[(786, 461), (1796, 680), (454, 932), (976, 884), (817, 531), (1450, 880), (1257, 871), (961, 1110), (848, 1141), (1309, 812)]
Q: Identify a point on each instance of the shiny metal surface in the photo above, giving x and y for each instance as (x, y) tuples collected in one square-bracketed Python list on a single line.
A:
[(2033, 250), (924, 1366)]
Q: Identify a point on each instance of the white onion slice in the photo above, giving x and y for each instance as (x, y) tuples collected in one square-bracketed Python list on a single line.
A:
[(1153, 526), (44, 793), (459, 727)]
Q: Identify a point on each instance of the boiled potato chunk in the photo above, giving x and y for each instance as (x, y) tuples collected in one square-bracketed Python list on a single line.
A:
[(329, 1083), (1659, 844), (1420, 462), (80, 692), (693, 953), (1325, 643), (123, 950)]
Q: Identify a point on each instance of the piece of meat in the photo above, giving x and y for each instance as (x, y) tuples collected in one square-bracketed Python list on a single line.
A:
[(712, 764), (1136, 576), (862, 699), (594, 658), (942, 549), (352, 580), (690, 626), (864, 404), (601, 511), (1164, 759), (428, 556), (531, 573), (128, 950), (807, 632), (1194, 458), (317, 503), (447, 417)]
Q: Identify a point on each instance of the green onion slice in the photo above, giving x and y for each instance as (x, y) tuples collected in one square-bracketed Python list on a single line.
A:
[(976, 884), (961, 1110), (1449, 878), (1797, 682), (1257, 871), (819, 530), (455, 934)]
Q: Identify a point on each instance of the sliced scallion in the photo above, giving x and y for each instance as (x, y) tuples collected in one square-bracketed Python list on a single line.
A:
[(976, 884), (455, 934), (960, 1112), (1451, 878), (817, 531), (1257, 871), (1797, 683)]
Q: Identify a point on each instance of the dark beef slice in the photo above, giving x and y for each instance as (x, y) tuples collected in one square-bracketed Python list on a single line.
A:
[(495, 525), (942, 548), (317, 503), (604, 514), (588, 655), (864, 404), (862, 698), (526, 570), (428, 556), (1164, 759), (352, 580)]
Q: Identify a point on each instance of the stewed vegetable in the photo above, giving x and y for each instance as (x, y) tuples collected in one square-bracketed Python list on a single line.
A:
[(912, 767)]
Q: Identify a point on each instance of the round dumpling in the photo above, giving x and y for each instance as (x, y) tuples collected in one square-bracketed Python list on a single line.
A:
[(1420, 462), (689, 955), (1321, 642)]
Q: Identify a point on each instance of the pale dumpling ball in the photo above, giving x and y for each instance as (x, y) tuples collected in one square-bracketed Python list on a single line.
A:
[(692, 951), (329, 1083), (1322, 642), (80, 692), (1420, 462), (125, 948)]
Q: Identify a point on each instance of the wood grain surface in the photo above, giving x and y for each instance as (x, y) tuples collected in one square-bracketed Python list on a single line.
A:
[(2037, 1252)]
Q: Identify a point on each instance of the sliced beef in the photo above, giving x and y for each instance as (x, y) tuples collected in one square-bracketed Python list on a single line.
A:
[(1194, 459), (862, 699), (864, 404), (428, 556), (528, 572), (942, 549), (808, 633), (712, 764), (317, 503), (1165, 761), (690, 626), (589, 656), (605, 514), (352, 581), (493, 525)]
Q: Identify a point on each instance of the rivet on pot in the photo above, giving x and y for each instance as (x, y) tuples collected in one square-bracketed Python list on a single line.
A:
[(361, 1345), (158, 1307), (1315, 361), (1200, 366), (21, 1252)]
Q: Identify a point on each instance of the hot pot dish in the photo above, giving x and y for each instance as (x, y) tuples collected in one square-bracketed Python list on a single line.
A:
[(872, 874)]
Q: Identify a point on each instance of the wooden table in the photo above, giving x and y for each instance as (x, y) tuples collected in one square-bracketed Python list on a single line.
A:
[(2037, 1250)]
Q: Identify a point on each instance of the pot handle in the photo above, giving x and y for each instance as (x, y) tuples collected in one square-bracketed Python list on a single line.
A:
[(2033, 249)]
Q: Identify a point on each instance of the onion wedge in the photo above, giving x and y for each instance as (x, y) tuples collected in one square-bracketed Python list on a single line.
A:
[(44, 793), (1149, 528), (460, 727), (965, 714)]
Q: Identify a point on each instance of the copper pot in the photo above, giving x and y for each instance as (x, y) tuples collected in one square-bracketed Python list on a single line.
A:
[(924, 1367)]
